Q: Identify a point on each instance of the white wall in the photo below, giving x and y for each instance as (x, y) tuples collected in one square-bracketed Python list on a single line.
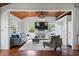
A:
[(70, 36), (75, 26), (13, 20), (4, 29), (61, 29), (5, 34), (63, 25)]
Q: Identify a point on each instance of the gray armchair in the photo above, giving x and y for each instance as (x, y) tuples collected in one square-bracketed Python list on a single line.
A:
[(55, 42)]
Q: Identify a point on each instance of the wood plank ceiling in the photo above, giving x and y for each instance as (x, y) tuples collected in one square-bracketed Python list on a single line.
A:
[(23, 14), (3, 4)]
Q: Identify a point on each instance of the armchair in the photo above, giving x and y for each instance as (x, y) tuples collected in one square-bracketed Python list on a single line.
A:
[(55, 42)]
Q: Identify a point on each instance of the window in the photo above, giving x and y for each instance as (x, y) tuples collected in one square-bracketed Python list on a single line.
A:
[(51, 27), (31, 27)]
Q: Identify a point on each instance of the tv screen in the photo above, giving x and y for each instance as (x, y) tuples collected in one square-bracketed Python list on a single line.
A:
[(41, 25)]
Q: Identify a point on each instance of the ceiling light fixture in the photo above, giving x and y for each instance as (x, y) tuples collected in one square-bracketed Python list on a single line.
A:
[(42, 14)]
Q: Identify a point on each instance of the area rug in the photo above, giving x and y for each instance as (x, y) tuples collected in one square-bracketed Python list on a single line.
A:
[(29, 45)]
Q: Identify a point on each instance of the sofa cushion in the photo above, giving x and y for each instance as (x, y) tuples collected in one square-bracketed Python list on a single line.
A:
[(23, 35)]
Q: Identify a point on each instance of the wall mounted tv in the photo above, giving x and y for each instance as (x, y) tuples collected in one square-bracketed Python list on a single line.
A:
[(41, 25)]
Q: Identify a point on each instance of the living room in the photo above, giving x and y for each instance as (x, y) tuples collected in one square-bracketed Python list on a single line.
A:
[(31, 25), (35, 21)]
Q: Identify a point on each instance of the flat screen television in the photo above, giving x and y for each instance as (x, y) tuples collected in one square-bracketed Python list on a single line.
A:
[(41, 25)]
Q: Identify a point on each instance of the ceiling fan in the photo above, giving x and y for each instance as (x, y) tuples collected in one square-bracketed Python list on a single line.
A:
[(42, 14)]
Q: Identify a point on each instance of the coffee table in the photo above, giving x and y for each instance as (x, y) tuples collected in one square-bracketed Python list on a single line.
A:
[(35, 40)]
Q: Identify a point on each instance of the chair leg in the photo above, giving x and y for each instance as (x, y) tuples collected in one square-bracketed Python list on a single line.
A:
[(43, 44), (54, 49)]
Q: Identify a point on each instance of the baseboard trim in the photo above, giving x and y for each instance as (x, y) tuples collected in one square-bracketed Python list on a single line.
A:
[(4, 49)]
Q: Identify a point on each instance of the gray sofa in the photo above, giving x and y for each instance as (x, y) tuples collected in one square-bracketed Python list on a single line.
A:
[(17, 39), (55, 42)]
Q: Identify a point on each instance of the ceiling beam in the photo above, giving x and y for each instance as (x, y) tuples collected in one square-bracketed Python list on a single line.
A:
[(3, 4), (64, 14)]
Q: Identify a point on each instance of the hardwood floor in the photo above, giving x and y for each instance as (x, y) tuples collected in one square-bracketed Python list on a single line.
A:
[(67, 51)]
